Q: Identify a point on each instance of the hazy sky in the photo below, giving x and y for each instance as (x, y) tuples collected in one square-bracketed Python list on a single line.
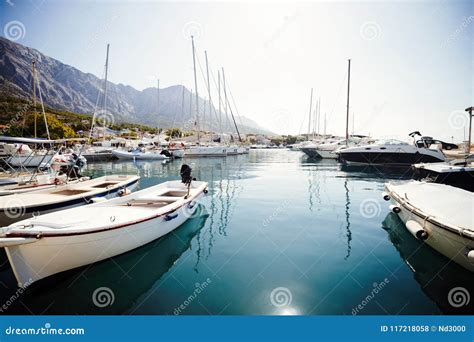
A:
[(412, 62)]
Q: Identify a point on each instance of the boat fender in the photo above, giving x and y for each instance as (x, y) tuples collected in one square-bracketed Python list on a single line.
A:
[(395, 208), (171, 216), (123, 192), (206, 191), (98, 199), (385, 196), (416, 230), (470, 255)]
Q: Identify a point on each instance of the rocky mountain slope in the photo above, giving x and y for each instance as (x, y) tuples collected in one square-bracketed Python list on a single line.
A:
[(67, 88)]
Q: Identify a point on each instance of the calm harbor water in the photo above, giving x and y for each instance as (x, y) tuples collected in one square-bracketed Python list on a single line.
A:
[(276, 234)]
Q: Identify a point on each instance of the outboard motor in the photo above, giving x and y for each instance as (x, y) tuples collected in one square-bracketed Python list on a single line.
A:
[(186, 177), (167, 153), (186, 174)]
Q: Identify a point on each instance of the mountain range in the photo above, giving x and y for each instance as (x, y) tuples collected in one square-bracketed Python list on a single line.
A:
[(67, 88)]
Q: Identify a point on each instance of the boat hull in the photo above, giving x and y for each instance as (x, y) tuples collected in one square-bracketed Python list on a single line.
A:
[(447, 242), (206, 151), (16, 210), (386, 158), (30, 160), (138, 155), (50, 255), (460, 179), (311, 152)]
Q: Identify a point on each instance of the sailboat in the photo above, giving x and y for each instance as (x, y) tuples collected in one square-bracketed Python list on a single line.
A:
[(328, 150), (202, 150)]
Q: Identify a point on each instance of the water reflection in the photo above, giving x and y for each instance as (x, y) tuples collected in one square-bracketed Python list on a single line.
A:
[(348, 221), (376, 173), (435, 273), (128, 276)]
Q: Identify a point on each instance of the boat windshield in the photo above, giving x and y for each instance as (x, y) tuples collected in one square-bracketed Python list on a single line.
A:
[(391, 142)]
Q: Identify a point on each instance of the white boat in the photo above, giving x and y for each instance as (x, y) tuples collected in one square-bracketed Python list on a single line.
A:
[(457, 172), (206, 151), (438, 214), (232, 150), (325, 150), (243, 150), (21, 206), (36, 183), (29, 158), (390, 152), (139, 155), (60, 241)]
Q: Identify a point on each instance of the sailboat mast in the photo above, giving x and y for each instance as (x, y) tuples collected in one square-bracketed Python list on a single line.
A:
[(105, 87), (319, 116), (225, 95), (230, 108), (219, 90), (34, 94), (208, 86), (196, 89), (310, 107), (348, 93)]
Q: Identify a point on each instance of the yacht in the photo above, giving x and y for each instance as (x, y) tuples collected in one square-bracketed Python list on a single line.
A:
[(390, 152)]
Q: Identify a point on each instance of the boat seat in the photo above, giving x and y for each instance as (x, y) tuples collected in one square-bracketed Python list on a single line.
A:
[(153, 203), (169, 199)]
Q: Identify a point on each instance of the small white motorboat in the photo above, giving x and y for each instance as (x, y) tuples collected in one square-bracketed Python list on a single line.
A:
[(37, 183), (438, 214), (138, 154), (457, 172), (23, 205), (56, 242)]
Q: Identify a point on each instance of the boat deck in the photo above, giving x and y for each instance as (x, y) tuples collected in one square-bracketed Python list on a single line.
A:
[(436, 200)]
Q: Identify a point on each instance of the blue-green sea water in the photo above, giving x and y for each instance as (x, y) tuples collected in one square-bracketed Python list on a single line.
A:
[(276, 234)]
